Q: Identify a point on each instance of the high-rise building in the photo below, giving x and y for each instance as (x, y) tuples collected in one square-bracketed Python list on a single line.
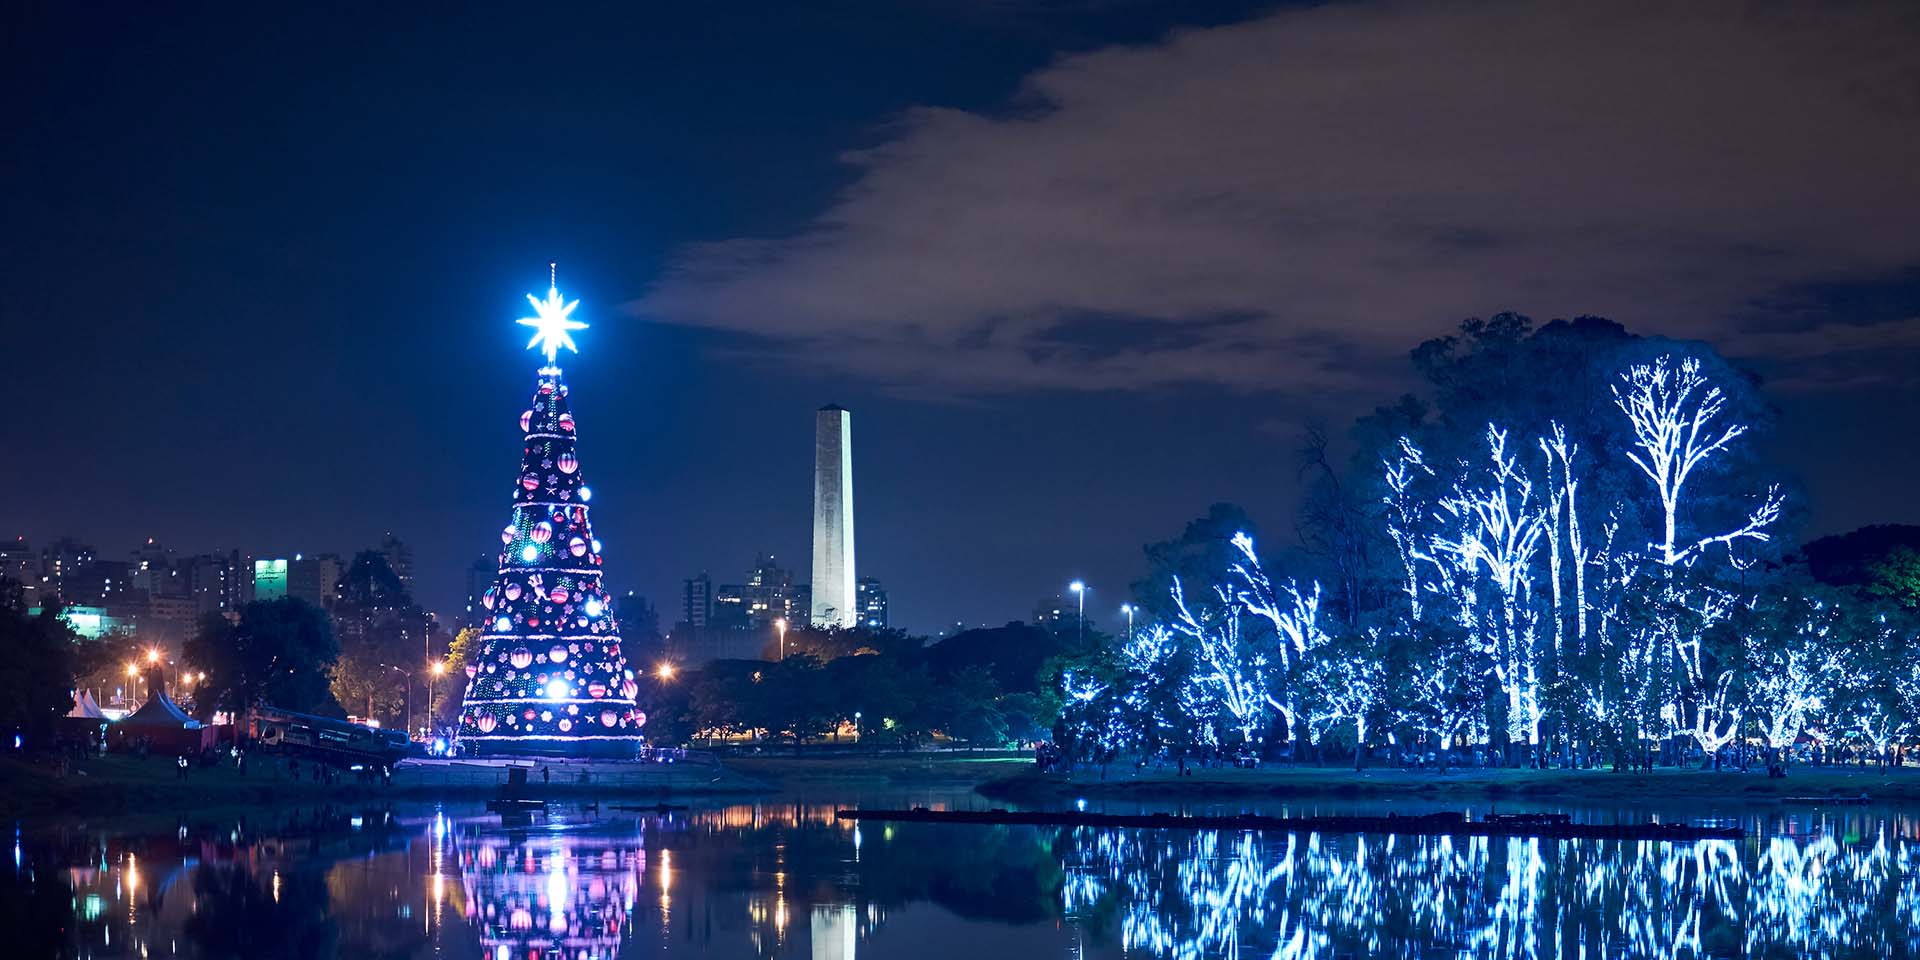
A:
[(400, 558), (66, 558), (316, 579), (19, 564), (729, 607), (835, 600), (873, 604), (696, 601), (167, 621), (771, 595), (213, 581), (480, 575)]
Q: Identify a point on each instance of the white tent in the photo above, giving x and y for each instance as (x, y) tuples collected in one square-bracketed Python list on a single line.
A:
[(84, 707)]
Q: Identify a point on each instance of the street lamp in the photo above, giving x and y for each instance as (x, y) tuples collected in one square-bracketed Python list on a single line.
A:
[(856, 726), (781, 625), (409, 718), (1128, 608), (439, 669), (1080, 590), (666, 671)]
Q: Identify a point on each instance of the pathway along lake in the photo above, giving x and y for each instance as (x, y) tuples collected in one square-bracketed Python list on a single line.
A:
[(783, 878)]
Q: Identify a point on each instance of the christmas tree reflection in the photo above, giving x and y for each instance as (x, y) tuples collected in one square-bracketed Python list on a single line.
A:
[(552, 894)]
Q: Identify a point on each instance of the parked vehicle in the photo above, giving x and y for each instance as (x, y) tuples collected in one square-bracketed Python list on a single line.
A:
[(323, 738)]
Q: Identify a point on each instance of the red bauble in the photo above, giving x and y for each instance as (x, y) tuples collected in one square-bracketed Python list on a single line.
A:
[(542, 532), (609, 718), (521, 658), (471, 671), (486, 723), (629, 689), (577, 547), (526, 422), (596, 690), (513, 591), (529, 481), (558, 654), (566, 422), (559, 595), (568, 463)]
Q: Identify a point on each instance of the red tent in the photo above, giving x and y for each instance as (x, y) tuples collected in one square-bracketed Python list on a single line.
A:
[(159, 722)]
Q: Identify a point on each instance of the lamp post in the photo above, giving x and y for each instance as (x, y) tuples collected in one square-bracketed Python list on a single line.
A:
[(439, 669), (781, 625), (1128, 608), (856, 727), (1079, 589), (409, 715)]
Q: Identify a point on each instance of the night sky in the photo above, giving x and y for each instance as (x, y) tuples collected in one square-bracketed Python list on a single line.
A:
[(1078, 269)]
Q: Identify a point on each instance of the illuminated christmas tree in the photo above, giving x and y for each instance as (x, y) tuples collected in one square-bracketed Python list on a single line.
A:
[(548, 676)]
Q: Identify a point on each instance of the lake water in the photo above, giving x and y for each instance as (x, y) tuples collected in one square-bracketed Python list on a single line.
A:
[(784, 879)]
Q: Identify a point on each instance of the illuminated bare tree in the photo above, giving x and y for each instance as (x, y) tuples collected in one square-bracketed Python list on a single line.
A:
[(1712, 709), (1672, 409), (1294, 614), (1231, 672), (1495, 529), (1405, 513), (1792, 666), (1348, 686), (1563, 515)]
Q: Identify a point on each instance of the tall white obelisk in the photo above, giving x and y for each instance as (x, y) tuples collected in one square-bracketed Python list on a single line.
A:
[(834, 602)]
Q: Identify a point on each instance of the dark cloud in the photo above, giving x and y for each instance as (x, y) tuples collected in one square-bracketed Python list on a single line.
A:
[(1343, 181)]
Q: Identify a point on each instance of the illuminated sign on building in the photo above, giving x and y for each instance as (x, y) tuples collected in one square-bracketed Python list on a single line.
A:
[(270, 579)]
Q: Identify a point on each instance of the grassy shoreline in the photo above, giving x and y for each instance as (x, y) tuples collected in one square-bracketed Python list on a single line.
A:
[(881, 770), (1580, 786), (124, 785)]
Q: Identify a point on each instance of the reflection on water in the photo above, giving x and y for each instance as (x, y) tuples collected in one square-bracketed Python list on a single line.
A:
[(555, 894), (1306, 895), (784, 879)]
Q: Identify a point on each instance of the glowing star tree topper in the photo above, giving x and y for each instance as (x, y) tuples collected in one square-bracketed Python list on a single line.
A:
[(553, 322)]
